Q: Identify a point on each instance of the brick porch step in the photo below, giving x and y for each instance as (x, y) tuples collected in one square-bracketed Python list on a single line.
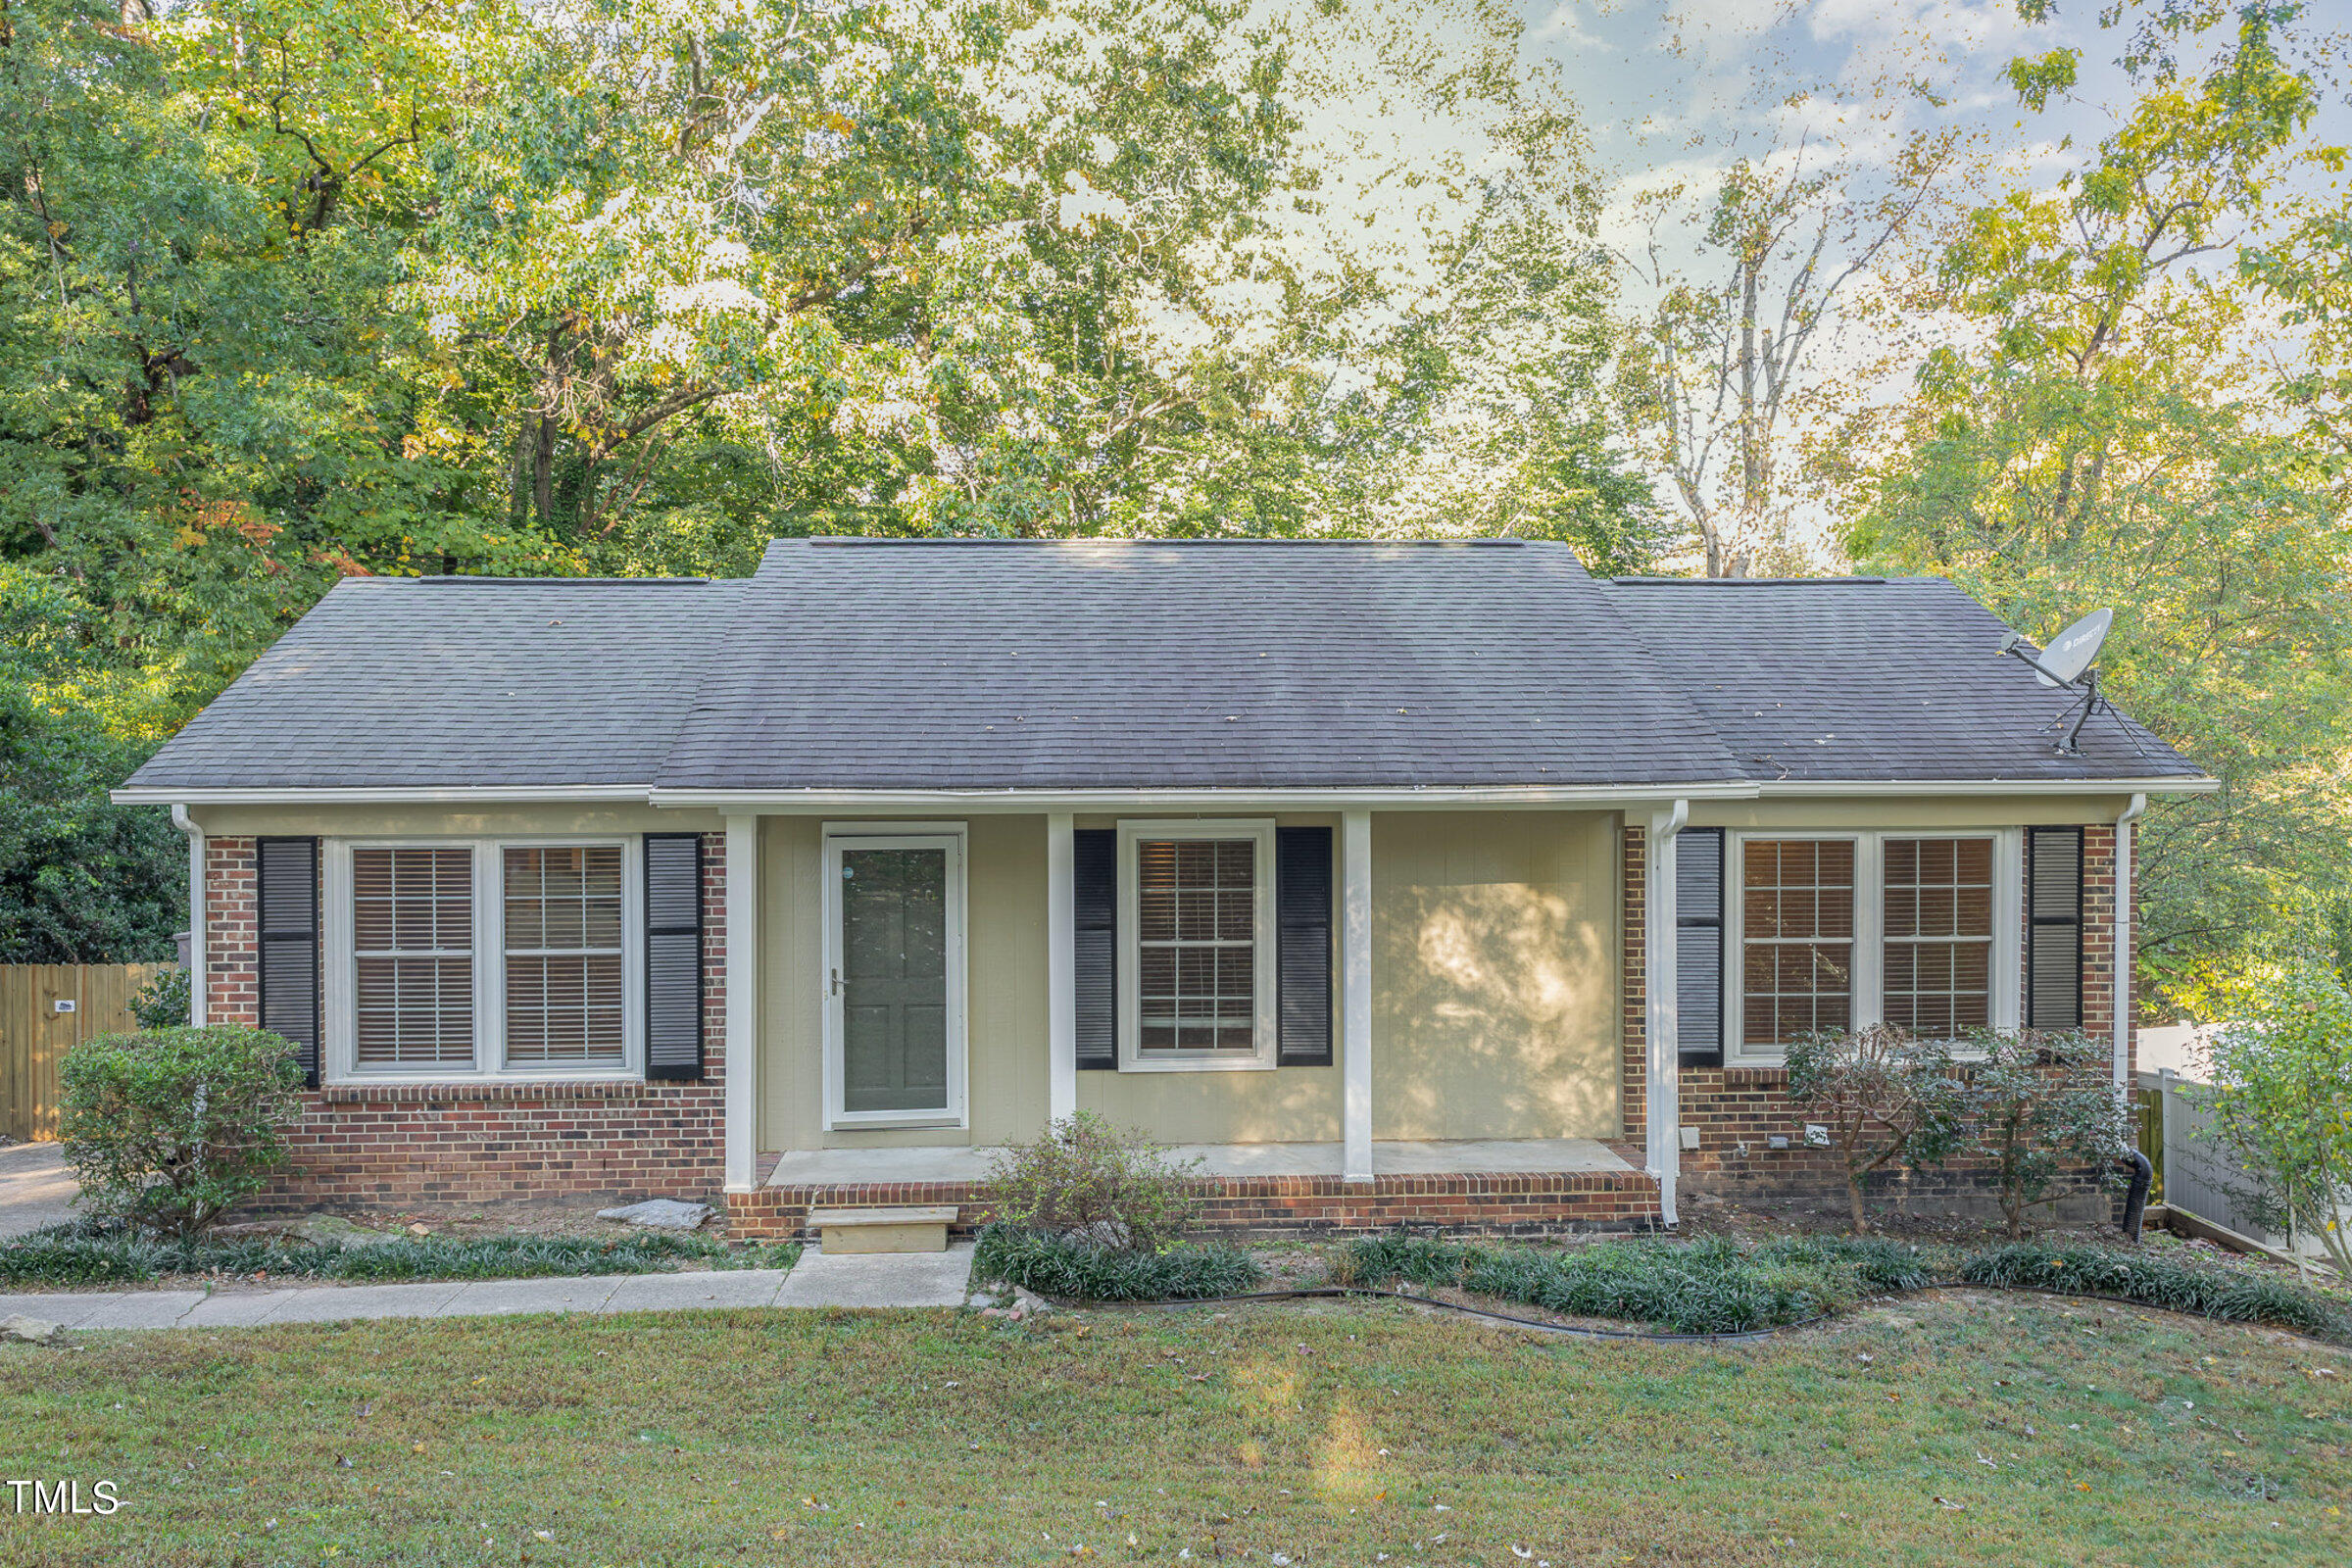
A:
[(904, 1229)]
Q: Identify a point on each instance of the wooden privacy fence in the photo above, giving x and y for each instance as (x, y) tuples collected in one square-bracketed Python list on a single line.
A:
[(35, 1032)]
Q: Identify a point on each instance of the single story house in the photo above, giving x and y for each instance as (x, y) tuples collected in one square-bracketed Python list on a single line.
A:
[(1433, 881)]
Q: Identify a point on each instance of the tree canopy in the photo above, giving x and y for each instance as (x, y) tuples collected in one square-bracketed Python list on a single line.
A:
[(291, 291)]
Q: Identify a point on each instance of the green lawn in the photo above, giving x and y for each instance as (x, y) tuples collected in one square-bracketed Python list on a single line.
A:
[(1967, 1429)]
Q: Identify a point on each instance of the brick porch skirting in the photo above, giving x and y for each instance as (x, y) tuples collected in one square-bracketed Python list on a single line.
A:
[(1500, 1205)]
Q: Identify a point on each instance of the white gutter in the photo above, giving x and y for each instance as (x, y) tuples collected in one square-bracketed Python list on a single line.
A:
[(144, 795), (1435, 797), (2168, 784), (1660, 1034), (196, 987), (2119, 985)]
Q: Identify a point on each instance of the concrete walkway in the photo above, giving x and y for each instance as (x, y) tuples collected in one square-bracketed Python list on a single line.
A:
[(879, 1279), (348, 1303), (35, 1187), (861, 1280)]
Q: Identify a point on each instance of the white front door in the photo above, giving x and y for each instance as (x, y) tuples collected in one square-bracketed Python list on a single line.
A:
[(894, 978)]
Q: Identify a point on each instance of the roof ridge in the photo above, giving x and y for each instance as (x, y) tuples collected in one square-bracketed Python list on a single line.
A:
[(902, 541)]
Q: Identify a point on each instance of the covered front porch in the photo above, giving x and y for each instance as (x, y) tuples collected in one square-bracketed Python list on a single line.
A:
[(1502, 1186)]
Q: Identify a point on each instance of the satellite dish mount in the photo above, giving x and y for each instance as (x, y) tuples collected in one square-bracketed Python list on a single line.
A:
[(2066, 663)]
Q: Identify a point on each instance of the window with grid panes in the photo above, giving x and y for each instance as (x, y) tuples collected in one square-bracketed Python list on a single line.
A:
[(413, 957), (1196, 945), (1797, 938), (564, 961), (1938, 899)]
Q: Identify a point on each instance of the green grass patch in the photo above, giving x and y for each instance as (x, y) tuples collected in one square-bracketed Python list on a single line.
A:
[(1980, 1430), (1718, 1286), (1070, 1270), (83, 1254)]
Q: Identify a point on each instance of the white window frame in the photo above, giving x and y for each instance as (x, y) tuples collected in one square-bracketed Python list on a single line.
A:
[(339, 1054), (1261, 1056), (1868, 996), (883, 836)]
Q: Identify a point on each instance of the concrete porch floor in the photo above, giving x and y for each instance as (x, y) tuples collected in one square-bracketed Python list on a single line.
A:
[(1469, 1157)]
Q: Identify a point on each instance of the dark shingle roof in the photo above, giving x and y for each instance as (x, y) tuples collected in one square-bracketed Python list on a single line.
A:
[(1184, 666), (457, 682), (1869, 678), (1074, 666)]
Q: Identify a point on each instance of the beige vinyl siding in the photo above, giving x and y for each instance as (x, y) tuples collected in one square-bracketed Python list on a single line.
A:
[(1494, 975), (1279, 1105), (1006, 988)]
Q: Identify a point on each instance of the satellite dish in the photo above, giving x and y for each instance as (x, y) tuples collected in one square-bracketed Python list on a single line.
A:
[(2066, 663), (2075, 648)]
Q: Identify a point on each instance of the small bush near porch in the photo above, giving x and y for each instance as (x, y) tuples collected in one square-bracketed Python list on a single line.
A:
[(1969, 1428), (1095, 1212)]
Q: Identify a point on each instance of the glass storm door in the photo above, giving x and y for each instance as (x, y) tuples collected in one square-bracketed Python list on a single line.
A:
[(894, 978)]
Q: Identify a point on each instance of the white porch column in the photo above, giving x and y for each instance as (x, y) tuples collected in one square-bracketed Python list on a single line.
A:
[(743, 1004), (2119, 985), (1061, 970), (196, 976), (1356, 991), (1660, 1034)]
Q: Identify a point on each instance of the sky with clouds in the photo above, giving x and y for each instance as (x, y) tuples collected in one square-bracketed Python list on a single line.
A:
[(1674, 90)]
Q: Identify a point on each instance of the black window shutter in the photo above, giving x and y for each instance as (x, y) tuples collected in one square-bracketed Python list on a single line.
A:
[(1095, 945), (1699, 945), (1302, 945), (2054, 928), (287, 873), (673, 957)]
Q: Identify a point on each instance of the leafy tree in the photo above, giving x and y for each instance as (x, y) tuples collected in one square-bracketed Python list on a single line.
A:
[(81, 880), (2281, 1078), (2110, 428)]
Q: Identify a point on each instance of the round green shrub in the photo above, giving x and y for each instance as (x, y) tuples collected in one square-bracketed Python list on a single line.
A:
[(169, 1129)]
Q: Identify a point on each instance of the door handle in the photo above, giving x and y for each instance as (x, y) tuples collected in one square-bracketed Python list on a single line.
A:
[(836, 987)]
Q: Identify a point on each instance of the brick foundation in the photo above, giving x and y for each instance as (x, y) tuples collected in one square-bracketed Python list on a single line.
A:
[(424, 1145), (1739, 1110), (1500, 1205)]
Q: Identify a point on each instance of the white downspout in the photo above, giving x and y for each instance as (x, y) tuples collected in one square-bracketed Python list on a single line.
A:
[(2119, 985), (196, 987), (1662, 1062)]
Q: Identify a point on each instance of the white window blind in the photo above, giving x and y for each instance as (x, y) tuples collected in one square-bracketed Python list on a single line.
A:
[(1197, 959), (413, 957), (563, 955), (1938, 934), (1797, 938)]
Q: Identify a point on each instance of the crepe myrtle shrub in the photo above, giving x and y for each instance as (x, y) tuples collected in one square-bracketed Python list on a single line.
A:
[(2043, 1109), (1090, 1181), (2281, 1102), (169, 1129), (1887, 1096)]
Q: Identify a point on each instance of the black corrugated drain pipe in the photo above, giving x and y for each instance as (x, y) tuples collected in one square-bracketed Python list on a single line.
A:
[(2136, 1201)]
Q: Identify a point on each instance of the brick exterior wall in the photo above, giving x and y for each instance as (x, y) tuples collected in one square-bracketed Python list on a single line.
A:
[(1739, 1110), (1501, 1204), (232, 972), (422, 1145)]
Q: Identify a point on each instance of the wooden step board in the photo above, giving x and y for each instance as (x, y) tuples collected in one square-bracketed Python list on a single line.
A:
[(883, 1230)]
